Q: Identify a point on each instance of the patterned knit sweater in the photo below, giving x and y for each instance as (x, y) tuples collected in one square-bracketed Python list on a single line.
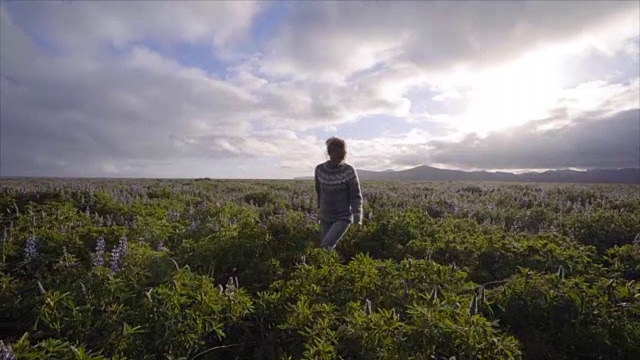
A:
[(338, 190)]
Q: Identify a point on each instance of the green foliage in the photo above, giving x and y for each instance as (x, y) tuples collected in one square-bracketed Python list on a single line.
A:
[(569, 318), (204, 269), (624, 261), (604, 229), (52, 349)]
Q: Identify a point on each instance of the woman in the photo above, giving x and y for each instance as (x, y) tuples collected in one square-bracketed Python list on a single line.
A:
[(339, 196)]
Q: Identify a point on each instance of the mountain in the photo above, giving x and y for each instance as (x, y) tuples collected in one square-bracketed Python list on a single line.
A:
[(429, 173)]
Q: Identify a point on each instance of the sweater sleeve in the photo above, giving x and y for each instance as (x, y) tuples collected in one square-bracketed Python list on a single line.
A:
[(317, 187), (356, 198)]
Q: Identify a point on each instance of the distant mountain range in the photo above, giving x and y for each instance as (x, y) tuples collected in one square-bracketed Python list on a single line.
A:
[(429, 173)]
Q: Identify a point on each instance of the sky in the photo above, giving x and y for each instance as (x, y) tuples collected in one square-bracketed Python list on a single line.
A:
[(244, 89)]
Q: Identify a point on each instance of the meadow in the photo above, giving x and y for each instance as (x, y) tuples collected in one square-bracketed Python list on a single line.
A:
[(213, 269)]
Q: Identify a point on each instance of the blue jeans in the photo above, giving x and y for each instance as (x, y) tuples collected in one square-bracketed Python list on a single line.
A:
[(332, 232)]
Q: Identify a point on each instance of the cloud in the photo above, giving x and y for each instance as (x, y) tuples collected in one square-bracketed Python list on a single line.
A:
[(301, 105), (72, 112), (576, 134), (333, 40), (611, 142), (78, 115), (393, 151), (374, 57), (87, 90), (600, 96), (72, 26)]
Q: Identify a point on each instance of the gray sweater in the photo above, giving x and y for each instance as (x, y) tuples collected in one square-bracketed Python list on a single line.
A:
[(338, 191)]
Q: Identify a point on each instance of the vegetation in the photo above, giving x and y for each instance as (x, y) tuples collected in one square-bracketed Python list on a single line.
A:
[(204, 269)]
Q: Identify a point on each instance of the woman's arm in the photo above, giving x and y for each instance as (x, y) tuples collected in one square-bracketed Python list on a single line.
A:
[(356, 198), (317, 187)]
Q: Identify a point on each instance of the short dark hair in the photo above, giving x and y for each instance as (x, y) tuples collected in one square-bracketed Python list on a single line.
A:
[(337, 148)]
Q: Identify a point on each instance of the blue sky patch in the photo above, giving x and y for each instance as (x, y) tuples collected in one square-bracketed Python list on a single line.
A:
[(267, 23)]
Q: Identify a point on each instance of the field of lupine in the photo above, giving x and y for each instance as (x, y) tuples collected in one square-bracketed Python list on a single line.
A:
[(203, 269)]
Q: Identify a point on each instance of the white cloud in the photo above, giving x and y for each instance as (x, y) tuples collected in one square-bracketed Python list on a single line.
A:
[(505, 64), (392, 151), (342, 38), (633, 50), (600, 96), (92, 110)]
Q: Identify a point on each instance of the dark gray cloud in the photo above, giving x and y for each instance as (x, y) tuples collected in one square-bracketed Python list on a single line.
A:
[(592, 142)]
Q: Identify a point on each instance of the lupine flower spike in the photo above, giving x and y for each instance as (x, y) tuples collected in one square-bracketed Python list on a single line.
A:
[(118, 254), (30, 250), (161, 246), (5, 352), (98, 257)]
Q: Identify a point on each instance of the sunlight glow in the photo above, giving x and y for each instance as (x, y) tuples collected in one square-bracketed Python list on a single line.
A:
[(514, 93)]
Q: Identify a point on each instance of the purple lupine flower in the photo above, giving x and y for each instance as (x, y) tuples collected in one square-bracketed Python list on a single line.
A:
[(174, 215), (194, 224), (98, 257), (5, 352), (118, 254), (161, 247), (30, 250)]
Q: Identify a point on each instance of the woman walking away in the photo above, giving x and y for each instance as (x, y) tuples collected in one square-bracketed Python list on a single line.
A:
[(339, 196)]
